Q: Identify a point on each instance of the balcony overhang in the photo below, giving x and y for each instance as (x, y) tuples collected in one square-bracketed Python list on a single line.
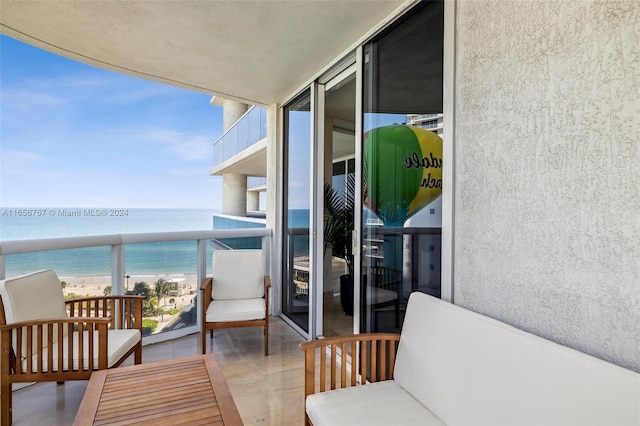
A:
[(258, 52), (251, 161)]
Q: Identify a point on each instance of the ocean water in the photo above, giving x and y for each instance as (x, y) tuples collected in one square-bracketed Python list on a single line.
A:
[(176, 257)]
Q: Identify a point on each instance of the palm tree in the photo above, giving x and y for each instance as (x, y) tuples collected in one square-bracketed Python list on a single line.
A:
[(162, 290), (339, 220), (338, 226)]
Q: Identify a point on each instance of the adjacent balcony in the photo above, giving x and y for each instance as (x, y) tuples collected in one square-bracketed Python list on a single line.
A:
[(243, 148)]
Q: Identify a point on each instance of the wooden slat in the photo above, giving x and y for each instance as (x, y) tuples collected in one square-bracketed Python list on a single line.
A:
[(89, 407), (374, 361), (363, 362), (383, 360), (343, 370), (323, 368), (29, 351), (354, 357), (333, 366), (228, 408)]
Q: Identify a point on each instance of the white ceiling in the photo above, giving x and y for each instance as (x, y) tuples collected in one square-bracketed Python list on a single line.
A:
[(256, 51)]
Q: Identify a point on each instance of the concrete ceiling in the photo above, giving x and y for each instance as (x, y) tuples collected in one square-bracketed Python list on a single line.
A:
[(259, 52)]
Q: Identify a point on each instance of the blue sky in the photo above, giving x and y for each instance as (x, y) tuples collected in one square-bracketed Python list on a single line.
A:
[(72, 135)]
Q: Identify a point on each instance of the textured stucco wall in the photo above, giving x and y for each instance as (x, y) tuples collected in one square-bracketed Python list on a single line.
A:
[(548, 170)]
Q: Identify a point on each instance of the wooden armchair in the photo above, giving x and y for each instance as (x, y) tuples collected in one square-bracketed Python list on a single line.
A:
[(237, 295), (44, 339), (325, 361)]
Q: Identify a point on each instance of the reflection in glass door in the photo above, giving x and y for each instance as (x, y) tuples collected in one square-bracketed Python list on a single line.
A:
[(402, 166), (296, 261)]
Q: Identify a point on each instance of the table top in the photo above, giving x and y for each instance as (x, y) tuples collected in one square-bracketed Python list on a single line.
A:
[(179, 391)]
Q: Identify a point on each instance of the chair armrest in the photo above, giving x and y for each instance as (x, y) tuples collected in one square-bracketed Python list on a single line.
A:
[(24, 340), (376, 357), (125, 312), (54, 321), (206, 290), (207, 284), (267, 286)]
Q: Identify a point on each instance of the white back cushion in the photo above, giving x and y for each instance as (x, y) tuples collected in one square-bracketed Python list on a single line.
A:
[(470, 369), (238, 274), (33, 296)]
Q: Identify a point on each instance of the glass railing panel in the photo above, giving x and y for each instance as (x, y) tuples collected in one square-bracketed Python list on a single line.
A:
[(255, 181), (230, 222), (251, 128), (83, 272), (243, 134), (166, 274)]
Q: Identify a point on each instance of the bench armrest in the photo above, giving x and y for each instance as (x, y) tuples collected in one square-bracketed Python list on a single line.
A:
[(375, 352)]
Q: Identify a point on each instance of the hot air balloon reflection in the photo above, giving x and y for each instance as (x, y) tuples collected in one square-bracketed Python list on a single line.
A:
[(402, 171)]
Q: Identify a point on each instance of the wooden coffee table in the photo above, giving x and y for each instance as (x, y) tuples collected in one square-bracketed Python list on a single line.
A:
[(180, 391)]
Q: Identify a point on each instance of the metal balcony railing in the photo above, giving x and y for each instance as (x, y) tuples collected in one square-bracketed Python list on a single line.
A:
[(249, 129)]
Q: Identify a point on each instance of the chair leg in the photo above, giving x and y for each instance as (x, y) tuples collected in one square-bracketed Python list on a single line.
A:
[(138, 354), (204, 341), (266, 338), (5, 409)]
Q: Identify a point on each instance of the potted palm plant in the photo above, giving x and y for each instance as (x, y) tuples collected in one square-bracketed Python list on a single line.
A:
[(338, 225)]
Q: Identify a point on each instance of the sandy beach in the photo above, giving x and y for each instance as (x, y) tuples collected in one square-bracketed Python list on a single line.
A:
[(94, 286)]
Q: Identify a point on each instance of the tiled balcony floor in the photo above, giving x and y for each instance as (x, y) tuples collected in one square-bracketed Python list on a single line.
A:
[(267, 390)]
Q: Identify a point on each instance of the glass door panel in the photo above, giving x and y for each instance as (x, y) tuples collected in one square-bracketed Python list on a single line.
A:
[(339, 199), (401, 166), (296, 261)]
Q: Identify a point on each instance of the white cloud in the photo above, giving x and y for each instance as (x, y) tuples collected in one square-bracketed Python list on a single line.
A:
[(20, 162)]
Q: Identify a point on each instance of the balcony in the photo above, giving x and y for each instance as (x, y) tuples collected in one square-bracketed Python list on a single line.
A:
[(265, 389), (243, 149)]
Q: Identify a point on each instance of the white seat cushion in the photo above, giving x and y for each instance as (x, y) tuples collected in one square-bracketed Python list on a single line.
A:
[(381, 403), (235, 310), (238, 274), (119, 343)]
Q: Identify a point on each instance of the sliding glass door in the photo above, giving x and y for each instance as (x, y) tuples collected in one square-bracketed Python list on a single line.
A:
[(296, 284), (401, 166)]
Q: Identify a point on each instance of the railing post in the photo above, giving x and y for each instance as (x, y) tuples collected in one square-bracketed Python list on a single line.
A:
[(117, 269), (266, 249), (201, 273)]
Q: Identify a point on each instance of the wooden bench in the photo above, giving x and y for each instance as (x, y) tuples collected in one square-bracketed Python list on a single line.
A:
[(454, 366)]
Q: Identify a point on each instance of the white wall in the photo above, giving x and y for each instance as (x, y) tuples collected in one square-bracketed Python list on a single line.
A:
[(547, 204)]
